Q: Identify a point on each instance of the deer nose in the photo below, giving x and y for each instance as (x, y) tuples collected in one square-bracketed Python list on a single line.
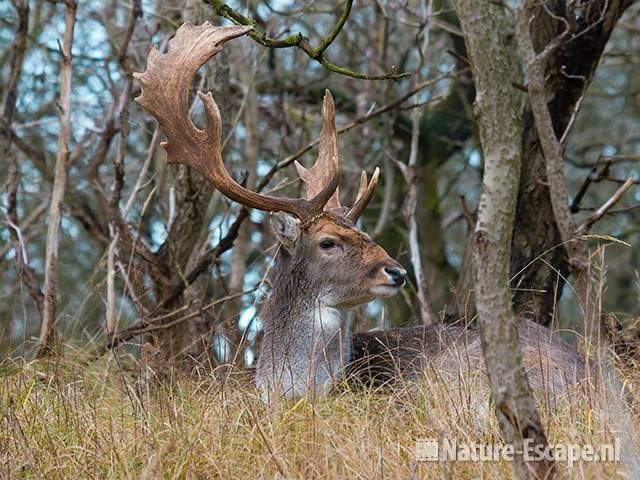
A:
[(398, 275)]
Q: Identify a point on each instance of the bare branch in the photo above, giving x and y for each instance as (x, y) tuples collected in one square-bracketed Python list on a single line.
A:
[(551, 146), (606, 206), (111, 325)]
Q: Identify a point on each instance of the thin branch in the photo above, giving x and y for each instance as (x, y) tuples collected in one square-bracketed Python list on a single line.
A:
[(575, 205), (18, 52), (410, 203), (299, 41), (328, 40), (136, 13), (387, 196), (111, 289), (606, 206), (139, 185), (33, 217), (123, 108)]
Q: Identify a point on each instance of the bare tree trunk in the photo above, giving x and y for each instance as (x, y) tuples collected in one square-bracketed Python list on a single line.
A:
[(427, 315), (240, 250), (498, 112), (48, 330), (26, 274)]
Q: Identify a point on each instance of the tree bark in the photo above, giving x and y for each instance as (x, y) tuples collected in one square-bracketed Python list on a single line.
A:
[(498, 112)]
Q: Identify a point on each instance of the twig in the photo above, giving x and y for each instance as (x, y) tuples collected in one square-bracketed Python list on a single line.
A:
[(575, 205), (136, 13), (143, 173), (111, 289), (387, 197), (123, 109), (34, 216)]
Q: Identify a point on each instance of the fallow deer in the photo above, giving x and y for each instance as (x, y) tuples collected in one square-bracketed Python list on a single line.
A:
[(325, 264)]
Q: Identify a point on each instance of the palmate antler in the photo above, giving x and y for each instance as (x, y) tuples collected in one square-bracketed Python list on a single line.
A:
[(165, 87), (328, 161)]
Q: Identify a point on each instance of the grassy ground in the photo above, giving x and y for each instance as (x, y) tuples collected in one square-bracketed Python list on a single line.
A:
[(105, 419)]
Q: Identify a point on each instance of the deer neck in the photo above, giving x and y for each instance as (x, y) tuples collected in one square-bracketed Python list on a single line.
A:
[(305, 344)]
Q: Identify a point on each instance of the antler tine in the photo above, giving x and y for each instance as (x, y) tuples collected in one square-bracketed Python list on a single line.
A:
[(327, 166), (365, 193), (165, 87)]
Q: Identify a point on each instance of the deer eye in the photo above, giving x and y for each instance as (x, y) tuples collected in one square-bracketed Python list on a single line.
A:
[(327, 244)]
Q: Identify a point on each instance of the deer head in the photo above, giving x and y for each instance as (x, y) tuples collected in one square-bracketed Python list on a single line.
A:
[(325, 259)]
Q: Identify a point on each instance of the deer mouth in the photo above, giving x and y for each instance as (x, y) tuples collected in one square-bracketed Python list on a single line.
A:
[(385, 291)]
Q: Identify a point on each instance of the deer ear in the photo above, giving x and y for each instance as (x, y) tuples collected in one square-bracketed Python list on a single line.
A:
[(285, 227)]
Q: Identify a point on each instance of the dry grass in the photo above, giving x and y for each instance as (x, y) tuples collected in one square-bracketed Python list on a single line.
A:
[(104, 420)]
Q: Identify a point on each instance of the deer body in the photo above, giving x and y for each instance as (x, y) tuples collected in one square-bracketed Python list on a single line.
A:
[(408, 352), (304, 349), (325, 265)]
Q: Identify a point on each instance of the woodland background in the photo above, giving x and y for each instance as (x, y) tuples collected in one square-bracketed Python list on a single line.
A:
[(147, 249)]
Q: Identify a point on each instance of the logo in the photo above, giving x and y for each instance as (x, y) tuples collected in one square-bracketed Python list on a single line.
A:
[(448, 450)]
